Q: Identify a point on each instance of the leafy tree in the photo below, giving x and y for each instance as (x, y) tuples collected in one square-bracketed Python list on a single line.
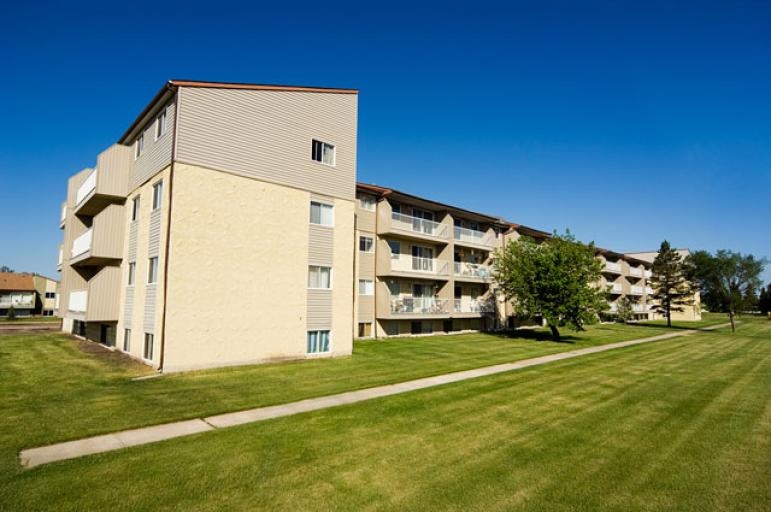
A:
[(6, 269), (624, 309), (555, 279), (764, 301), (728, 277), (671, 289), (11, 315)]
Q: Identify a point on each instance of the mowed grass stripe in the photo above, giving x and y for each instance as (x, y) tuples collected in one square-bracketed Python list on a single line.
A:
[(652, 427)]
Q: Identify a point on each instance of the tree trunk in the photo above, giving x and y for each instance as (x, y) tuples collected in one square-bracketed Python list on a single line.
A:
[(555, 334), (731, 318)]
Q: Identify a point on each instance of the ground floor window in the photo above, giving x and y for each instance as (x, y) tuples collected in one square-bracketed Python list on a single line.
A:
[(148, 352), (318, 342), (48, 312), (365, 330), (127, 340)]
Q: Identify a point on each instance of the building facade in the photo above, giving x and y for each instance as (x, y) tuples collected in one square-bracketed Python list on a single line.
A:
[(27, 294)]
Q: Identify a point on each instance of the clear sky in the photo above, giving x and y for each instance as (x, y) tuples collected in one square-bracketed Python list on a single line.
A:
[(627, 122)]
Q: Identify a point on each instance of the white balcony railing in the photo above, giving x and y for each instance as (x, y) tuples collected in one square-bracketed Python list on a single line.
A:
[(612, 267), (419, 264), (635, 272), (88, 186), (474, 306), (636, 290), (418, 225), (18, 300), (64, 213), (472, 236), (640, 308), (78, 301), (419, 305), (648, 290), (648, 274), (61, 256), (616, 288), (613, 307), (463, 268), (82, 243)]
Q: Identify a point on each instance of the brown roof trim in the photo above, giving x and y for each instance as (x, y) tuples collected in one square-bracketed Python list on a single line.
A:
[(262, 87), (128, 135)]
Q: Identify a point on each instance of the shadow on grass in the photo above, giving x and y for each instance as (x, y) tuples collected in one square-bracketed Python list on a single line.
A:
[(705, 328), (532, 334)]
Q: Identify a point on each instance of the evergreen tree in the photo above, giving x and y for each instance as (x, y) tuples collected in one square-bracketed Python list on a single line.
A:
[(671, 289), (764, 301)]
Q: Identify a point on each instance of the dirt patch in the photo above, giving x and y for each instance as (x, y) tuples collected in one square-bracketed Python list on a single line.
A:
[(111, 357)]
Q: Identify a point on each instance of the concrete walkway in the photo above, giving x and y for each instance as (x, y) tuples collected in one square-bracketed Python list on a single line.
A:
[(72, 449)]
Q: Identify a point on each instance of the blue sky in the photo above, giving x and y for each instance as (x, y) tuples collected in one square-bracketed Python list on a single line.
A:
[(627, 122)]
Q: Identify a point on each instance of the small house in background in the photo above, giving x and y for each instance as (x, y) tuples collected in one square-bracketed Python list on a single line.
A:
[(27, 294)]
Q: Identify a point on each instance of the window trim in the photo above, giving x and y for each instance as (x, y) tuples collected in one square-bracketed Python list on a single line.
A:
[(157, 195), (331, 277), (372, 286), (152, 270), (135, 205), (132, 273), (319, 352), (162, 114), (321, 154), (322, 205), (139, 146), (369, 200), (152, 346), (127, 340), (372, 244)]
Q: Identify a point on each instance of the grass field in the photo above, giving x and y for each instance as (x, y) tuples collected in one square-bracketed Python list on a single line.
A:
[(681, 424)]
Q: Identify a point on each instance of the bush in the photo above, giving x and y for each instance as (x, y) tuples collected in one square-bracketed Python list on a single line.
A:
[(11, 314)]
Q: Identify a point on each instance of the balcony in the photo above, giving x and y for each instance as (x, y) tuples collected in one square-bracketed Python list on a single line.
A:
[(474, 238), (612, 268), (78, 301), (648, 274), (63, 216), (613, 307), (105, 185), (416, 266), (640, 308), (648, 290), (419, 306), (473, 306), (18, 300), (635, 272), (102, 244), (464, 271), (635, 290), (61, 258), (413, 227), (616, 288)]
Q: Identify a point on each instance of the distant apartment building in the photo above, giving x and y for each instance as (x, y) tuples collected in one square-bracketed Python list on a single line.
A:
[(27, 294), (218, 230), (225, 227)]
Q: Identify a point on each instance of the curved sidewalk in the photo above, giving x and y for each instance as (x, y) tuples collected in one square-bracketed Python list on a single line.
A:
[(32, 457)]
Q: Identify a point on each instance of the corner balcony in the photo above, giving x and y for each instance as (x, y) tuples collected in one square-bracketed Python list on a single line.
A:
[(78, 301), (466, 306), (616, 288), (419, 307), (102, 244), (474, 272), (412, 227), (107, 184), (635, 272), (476, 239), (415, 267), (100, 301), (648, 274), (612, 268), (635, 290)]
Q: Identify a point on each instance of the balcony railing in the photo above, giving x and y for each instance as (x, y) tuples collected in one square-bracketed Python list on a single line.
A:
[(64, 213), (635, 272), (648, 290), (472, 236), (636, 290), (612, 267), (88, 186), (474, 306), (78, 301), (27, 301), (82, 243), (419, 305), (640, 308), (419, 264), (613, 307), (61, 256), (472, 270), (616, 288), (418, 225), (648, 274)]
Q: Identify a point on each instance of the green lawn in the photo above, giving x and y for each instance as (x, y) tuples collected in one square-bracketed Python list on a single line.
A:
[(683, 424)]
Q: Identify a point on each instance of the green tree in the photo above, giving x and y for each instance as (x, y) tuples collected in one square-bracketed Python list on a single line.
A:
[(729, 277), (555, 279), (11, 314), (764, 301), (624, 309), (671, 288)]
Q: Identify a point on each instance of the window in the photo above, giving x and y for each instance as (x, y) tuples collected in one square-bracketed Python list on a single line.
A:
[(127, 340), (319, 277), (367, 203), (366, 244), (157, 195), (365, 330), (135, 209), (318, 342), (148, 349), (396, 248), (152, 270), (366, 287), (160, 124), (132, 268), (50, 295), (139, 146), (322, 214), (323, 152), (394, 288)]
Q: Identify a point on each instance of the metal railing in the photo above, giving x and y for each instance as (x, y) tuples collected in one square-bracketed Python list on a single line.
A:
[(474, 306), (418, 225), (636, 290), (635, 272), (419, 305), (88, 186), (64, 213), (612, 267), (463, 268), (82, 243), (472, 236)]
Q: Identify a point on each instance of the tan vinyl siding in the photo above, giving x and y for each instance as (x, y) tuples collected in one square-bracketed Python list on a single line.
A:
[(108, 232), (155, 233), (128, 306), (366, 262), (267, 135), (157, 153), (320, 245), (132, 241), (319, 309), (366, 308), (114, 167), (150, 304), (104, 295)]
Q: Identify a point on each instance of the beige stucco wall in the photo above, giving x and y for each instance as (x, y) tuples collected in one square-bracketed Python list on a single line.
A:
[(238, 272)]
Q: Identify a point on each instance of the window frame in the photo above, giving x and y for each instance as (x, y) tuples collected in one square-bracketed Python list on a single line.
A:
[(151, 337), (152, 270), (135, 204), (395, 255), (157, 194), (318, 332), (320, 267), (370, 288), (322, 207), (321, 146), (367, 200), (162, 115), (139, 146), (127, 340), (371, 239), (132, 273)]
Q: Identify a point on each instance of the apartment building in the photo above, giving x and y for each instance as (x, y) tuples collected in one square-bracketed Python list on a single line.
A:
[(627, 276), (218, 229), (28, 294)]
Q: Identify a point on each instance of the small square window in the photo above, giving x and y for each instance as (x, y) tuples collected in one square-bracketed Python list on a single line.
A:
[(318, 342), (322, 214), (366, 244), (139, 146), (135, 209), (132, 268), (395, 249), (161, 124), (127, 340), (367, 203), (152, 270), (319, 277), (366, 287), (323, 152), (365, 330), (157, 195), (147, 353)]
